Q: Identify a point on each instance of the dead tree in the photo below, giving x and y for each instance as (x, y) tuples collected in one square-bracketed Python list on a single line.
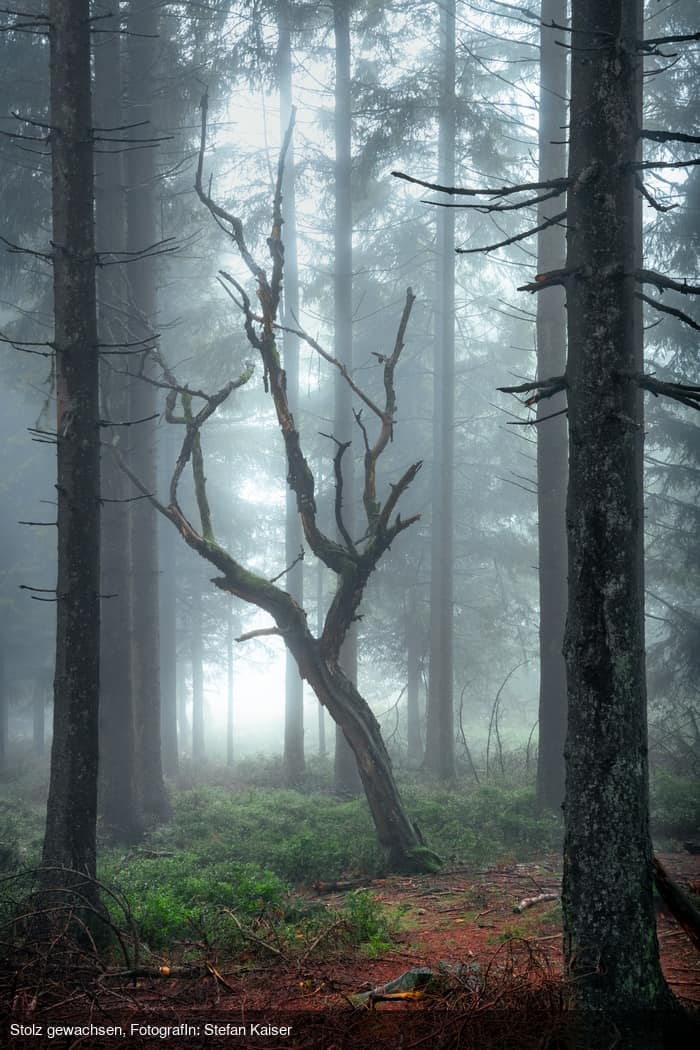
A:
[(352, 561)]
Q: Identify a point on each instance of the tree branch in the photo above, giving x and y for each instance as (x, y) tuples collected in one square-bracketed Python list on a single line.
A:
[(233, 225), (658, 41), (487, 209), (560, 185), (260, 632), (687, 394), (650, 165), (547, 280), (517, 237), (545, 388), (686, 318), (663, 283), (342, 447), (667, 136), (535, 422), (651, 199)]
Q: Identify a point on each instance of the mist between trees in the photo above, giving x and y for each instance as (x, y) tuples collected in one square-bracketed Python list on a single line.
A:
[(273, 277)]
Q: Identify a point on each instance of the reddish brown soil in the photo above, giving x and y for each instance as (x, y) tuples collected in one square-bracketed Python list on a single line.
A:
[(464, 916)]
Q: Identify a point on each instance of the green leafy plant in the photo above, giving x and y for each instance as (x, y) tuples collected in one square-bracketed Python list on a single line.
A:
[(371, 924)]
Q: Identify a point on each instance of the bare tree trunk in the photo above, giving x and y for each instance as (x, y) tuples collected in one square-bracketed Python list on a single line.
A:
[(322, 749), (399, 837), (167, 549), (183, 722), (119, 804), (168, 653), (611, 950), (72, 802), (346, 775), (440, 735), (413, 677), (294, 692), (230, 708), (141, 233), (552, 452), (198, 748)]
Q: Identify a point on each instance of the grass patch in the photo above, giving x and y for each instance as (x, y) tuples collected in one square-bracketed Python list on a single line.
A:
[(480, 825)]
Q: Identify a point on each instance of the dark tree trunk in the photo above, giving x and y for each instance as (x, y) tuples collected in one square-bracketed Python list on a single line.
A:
[(183, 722), (611, 950), (230, 708), (294, 692), (552, 453), (196, 652), (72, 802), (413, 677), (440, 735), (141, 233), (119, 804), (322, 747), (398, 835), (167, 549), (346, 775)]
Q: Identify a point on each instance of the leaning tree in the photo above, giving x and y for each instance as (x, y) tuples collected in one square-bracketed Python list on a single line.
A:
[(351, 560)]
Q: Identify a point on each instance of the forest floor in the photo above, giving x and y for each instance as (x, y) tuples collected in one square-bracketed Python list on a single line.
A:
[(464, 916)]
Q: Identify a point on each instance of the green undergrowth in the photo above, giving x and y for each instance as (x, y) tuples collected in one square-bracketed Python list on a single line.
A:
[(480, 825), (185, 908), (305, 837), (227, 869), (227, 860)]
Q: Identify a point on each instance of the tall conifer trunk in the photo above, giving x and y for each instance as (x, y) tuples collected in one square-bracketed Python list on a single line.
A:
[(168, 554), (230, 678), (294, 691), (440, 736), (118, 788), (347, 779), (552, 452), (72, 802), (197, 655), (142, 233), (611, 950)]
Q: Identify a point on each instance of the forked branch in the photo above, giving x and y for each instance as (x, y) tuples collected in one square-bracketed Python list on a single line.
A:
[(543, 388)]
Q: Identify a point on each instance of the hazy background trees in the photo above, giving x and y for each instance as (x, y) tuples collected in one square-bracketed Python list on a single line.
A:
[(396, 97)]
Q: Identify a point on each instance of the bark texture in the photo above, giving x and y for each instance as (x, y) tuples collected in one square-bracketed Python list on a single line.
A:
[(414, 662), (167, 550), (346, 776), (72, 802), (440, 735), (141, 233), (196, 654), (552, 453), (119, 806), (294, 763), (611, 950)]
